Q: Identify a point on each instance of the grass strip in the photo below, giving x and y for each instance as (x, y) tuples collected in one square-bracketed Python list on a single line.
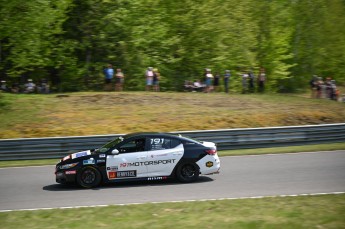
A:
[(275, 150), (324, 211)]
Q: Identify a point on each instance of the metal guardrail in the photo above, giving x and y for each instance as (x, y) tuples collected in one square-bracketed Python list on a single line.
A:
[(57, 147)]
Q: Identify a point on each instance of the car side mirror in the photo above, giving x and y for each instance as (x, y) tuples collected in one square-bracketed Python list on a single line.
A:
[(115, 152)]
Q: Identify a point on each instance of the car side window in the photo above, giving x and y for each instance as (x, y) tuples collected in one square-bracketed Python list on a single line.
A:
[(156, 143), (135, 145)]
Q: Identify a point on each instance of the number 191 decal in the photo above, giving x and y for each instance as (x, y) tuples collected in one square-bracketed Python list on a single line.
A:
[(157, 141)]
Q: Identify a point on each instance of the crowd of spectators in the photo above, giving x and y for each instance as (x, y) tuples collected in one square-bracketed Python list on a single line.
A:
[(212, 82), (29, 87), (152, 77), (114, 80), (325, 89)]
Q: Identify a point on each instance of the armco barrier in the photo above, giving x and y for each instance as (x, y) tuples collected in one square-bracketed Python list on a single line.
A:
[(57, 147)]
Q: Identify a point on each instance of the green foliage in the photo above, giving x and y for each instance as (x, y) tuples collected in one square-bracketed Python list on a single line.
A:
[(70, 41), (314, 211)]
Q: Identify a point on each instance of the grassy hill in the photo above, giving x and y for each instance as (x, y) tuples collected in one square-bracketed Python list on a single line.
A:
[(93, 113)]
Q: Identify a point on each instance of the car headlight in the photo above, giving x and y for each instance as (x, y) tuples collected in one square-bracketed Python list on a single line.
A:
[(68, 166)]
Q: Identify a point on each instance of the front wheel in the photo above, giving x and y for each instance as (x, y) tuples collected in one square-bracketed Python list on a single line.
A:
[(89, 177), (187, 172)]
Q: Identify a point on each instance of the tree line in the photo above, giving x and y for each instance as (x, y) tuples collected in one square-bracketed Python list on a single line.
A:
[(70, 41)]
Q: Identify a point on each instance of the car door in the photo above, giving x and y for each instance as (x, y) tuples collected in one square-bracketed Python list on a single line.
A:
[(164, 154), (129, 162)]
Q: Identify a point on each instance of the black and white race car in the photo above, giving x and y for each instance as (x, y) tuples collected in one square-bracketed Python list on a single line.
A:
[(140, 156)]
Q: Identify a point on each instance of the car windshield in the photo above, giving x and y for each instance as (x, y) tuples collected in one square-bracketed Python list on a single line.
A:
[(110, 145)]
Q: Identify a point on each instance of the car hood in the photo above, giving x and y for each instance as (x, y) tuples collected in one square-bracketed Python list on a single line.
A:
[(76, 155)]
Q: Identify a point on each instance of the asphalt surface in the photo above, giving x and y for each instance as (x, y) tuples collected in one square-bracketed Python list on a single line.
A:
[(241, 176)]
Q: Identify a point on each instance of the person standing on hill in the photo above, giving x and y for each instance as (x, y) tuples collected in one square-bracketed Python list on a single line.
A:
[(227, 76), (119, 80), (156, 78), (262, 80), (216, 82), (251, 77), (244, 82), (208, 80), (149, 78), (108, 77), (313, 86)]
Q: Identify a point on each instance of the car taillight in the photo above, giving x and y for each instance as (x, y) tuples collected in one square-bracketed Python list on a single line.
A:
[(211, 151)]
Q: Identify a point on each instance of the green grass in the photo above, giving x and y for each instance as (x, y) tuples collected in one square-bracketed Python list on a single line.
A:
[(275, 150), (94, 113), (21, 163), (324, 211)]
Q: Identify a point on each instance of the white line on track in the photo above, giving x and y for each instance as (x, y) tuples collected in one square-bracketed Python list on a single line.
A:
[(178, 201)]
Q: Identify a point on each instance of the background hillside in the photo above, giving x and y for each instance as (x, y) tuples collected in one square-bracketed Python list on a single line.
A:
[(119, 113)]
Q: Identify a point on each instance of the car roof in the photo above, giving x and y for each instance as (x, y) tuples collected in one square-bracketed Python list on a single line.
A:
[(146, 134), (160, 134)]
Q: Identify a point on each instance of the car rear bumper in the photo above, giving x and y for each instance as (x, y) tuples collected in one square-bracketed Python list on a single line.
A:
[(210, 164)]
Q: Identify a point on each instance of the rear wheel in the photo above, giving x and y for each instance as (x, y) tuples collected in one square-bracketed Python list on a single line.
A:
[(188, 172), (89, 177)]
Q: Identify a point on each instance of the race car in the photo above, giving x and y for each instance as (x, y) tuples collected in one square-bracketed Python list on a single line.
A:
[(140, 156)]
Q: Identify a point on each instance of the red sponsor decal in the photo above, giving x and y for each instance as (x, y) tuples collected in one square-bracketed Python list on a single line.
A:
[(112, 175), (71, 172), (123, 164)]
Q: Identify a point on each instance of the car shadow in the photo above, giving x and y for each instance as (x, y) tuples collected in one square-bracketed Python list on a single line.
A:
[(124, 184)]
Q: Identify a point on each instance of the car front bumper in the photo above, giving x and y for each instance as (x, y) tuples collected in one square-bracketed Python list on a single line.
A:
[(65, 176)]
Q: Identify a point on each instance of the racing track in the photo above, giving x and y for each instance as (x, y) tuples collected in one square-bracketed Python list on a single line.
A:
[(241, 176)]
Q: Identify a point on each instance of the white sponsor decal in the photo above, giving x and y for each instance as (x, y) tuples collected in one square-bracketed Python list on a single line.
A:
[(81, 154), (91, 161)]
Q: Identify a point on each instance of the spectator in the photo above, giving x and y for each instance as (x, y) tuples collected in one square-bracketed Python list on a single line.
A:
[(198, 86), (3, 86), (262, 80), (149, 78), (328, 85), (334, 91), (156, 78), (251, 77), (244, 82), (227, 76), (216, 81), (108, 75), (15, 88), (320, 88), (29, 87), (208, 80), (43, 87), (119, 80), (313, 86)]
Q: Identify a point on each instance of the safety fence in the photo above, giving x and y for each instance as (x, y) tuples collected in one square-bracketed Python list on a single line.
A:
[(226, 139)]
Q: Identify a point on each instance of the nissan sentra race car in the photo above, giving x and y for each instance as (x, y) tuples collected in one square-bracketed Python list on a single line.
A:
[(140, 156)]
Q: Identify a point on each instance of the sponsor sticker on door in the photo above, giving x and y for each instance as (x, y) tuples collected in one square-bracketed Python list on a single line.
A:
[(122, 174)]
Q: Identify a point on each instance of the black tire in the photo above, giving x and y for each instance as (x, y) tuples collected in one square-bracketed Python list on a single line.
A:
[(89, 177), (187, 172)]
